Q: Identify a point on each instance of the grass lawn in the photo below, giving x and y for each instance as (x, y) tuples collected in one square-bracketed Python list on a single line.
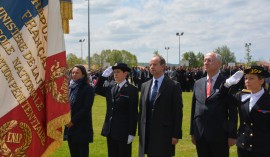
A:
[(99, 148)]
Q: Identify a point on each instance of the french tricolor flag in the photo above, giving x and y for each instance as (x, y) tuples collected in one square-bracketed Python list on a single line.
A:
[(34, 102)]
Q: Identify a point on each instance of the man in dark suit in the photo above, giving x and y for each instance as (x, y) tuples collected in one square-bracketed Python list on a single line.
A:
[(160, 115), (213, 118), (122, 111)]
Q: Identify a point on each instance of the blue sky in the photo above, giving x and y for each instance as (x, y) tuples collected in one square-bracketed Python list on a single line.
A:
[(143, 26)]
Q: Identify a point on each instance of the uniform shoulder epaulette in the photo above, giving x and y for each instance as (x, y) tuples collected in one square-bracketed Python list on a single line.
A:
[(246, 91)]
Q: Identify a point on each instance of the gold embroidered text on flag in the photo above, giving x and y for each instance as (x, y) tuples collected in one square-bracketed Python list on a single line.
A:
[(33, 96)]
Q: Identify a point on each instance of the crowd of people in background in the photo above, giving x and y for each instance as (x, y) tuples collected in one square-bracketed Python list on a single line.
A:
[(186, 76), (218, 100)]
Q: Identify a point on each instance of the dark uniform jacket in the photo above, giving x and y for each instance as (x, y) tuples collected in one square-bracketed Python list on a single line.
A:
[(254, 129), (122, 110), (215, 117)]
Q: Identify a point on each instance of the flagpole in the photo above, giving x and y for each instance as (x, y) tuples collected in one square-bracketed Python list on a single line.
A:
[(88, 34)]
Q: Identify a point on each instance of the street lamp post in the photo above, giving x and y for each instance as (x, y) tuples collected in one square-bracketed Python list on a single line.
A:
[(88, 34), (179, 34), (248, 57), (167, 48), (81, 41)]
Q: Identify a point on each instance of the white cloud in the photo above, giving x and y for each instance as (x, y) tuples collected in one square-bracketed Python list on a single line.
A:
[(144, 26)]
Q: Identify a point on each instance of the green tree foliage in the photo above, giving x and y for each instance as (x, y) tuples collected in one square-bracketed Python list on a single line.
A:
[(96, 60), (248, 56), (252, 63), (72, 60), (156, 52), (194, 60), (227, 55), (190, 56), (113, 56), (200, 58)]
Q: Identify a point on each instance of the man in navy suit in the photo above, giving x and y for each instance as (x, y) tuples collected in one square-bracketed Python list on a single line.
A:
[(122, 111), (160, 116), (213, 125)]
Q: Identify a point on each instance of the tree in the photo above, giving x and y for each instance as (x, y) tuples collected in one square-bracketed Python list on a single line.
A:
[(248, 56), (200, 58), (96, 60), (191, 57), (156, 52), (194, 60), (129, 58), (112, 57), (227, 55), (72, 60)]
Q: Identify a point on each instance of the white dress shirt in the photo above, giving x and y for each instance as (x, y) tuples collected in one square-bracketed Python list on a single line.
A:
[(254, 97)]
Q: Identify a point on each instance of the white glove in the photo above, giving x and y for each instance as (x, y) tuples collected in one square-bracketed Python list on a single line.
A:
[(234, 79), (130, 139), (107, 72)]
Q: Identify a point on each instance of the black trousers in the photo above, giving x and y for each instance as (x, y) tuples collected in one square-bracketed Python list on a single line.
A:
[(78, 149), (118, 148), (244, 153), (212, 149)]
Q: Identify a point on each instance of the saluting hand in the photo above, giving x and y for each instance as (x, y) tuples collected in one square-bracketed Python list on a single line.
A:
[(234, 79), (107, 72)]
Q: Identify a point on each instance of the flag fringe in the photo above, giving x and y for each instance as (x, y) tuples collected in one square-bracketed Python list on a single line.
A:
[(55, 134), (66, 14)]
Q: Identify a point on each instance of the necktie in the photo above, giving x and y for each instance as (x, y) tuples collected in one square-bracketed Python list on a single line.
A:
[(209, 86), (154, 92), (251, 103), (117, 90)]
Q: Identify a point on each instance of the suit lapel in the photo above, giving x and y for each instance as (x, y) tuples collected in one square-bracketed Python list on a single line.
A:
[(113, 90), (246, 109), (216, 85), (259, 104), (204, 88), (147, 90), (123, 88), (162, 87)]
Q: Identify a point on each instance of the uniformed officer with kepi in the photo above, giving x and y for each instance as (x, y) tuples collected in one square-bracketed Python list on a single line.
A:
[(254, 112), (122, 111)]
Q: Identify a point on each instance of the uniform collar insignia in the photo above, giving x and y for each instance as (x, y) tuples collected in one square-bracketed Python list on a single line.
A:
[(246, 91)]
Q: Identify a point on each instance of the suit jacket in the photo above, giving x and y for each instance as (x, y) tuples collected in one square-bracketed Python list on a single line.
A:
[(215, 117), (254, 129), (81, 115), (165, 119), (122, 110)]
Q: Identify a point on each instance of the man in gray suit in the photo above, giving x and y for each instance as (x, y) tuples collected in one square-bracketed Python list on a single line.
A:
[(160, 114), (213, 118)]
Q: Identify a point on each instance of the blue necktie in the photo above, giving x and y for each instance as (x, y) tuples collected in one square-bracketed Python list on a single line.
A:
[(154, 93)]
